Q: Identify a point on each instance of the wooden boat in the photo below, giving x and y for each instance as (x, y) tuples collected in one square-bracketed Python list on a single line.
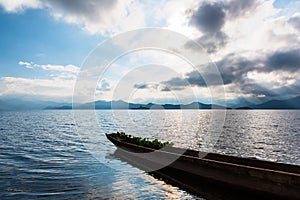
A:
[(188, 170)]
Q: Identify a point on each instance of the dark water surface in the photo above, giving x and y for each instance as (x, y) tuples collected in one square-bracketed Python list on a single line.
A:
[(41, 154)]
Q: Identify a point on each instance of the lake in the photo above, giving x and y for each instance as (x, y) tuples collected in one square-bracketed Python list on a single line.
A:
[(43, 155)]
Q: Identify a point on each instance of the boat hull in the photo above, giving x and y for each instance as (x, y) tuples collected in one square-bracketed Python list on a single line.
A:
[(188, 170)]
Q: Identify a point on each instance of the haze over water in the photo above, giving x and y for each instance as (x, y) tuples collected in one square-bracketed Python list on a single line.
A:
[(42, 155)]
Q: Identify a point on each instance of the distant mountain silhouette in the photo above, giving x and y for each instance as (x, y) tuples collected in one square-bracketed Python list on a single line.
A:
[(293, 103), (19, 104), (107, 105), (64, 107), (22, 104)]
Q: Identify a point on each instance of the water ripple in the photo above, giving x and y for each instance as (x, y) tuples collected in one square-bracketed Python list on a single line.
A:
[(42, 156)]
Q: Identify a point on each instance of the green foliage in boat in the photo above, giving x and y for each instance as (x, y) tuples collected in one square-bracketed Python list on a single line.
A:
[(154, 144)]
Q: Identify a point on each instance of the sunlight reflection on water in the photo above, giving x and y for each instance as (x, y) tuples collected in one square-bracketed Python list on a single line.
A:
[(42, 155)]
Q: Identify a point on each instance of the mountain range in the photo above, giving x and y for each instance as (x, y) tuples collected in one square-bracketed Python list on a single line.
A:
[(293, 103), (19, 104), (124, 105)]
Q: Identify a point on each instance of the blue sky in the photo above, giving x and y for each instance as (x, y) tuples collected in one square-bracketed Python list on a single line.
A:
[(33, 35), (255, 45)]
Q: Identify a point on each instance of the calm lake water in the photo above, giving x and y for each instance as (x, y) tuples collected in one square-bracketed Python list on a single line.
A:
[(42, 155)]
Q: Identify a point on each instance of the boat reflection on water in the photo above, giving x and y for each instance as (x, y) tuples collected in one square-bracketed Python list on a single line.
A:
[(215, 176), (202, 188)]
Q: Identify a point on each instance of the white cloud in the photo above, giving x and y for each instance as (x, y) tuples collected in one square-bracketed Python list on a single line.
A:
[(255, 34), (259, 30), (26, 64), (106, 17), (103, 85), (99, 16), (14, 6), (58, 68), (67, 68), (57, 86), (273, 80), (176, 15), (260, 33), (54, 89)]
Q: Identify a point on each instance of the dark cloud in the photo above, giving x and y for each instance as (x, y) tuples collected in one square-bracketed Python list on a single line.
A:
[(165, 89), (194, 78), (79, 6), (210, 19), (210, 42), (291, 90), (257, 90), (90, 9), (141, 86), (286, 61), (213, 42), (146, 85), (158, 86), (295, 22), (177, 82), (234, 69)]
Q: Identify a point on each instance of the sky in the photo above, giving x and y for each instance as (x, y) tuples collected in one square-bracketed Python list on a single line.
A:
[(254, 45)]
